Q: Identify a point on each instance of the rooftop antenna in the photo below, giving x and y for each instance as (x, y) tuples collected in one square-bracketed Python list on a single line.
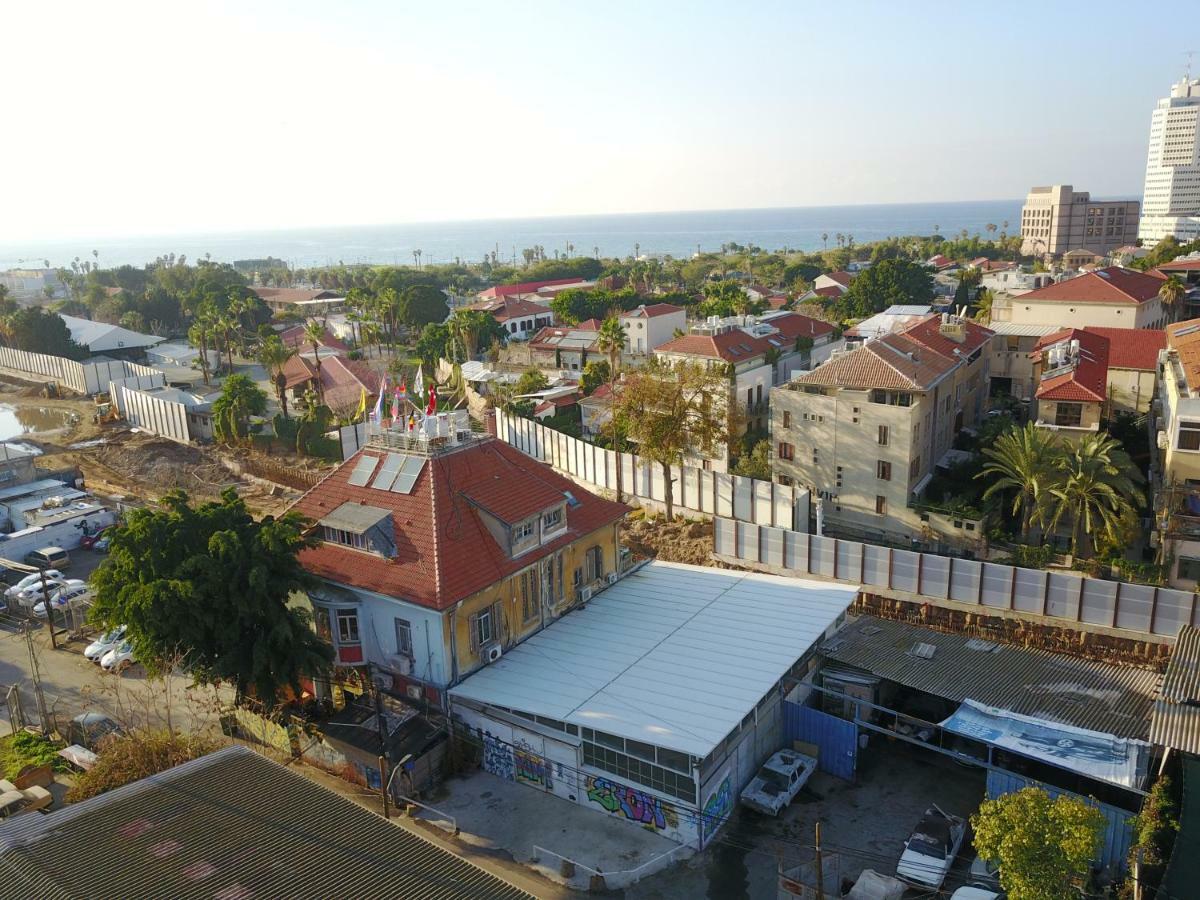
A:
[(1188, 68)]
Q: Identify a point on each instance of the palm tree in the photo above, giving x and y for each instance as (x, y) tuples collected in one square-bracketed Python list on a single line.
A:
[(240, 399), (1098, 487), (198, 335), (314, 333), (983, 307), (466, 325), (1171, 294), (611, 340), (274, 354), (825, 240), (1023, 459)]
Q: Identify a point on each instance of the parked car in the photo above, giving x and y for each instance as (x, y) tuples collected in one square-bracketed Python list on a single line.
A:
[(118, 658), (88, 541), (778, 781), (33, 594), (72, 592), (984, 873), (101, 645), (102, 545), (974, 892), (88, 729), (930, 849), (33, 580), (48, 558)]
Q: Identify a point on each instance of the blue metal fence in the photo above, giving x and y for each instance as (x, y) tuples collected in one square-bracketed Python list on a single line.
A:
[(836, 738), (1118, 835)]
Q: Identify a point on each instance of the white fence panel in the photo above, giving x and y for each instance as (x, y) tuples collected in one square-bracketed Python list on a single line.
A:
[(905, 570), (1135, 603), (876, 562), (1062, 596), (997, 585), (965, 581), (935, 576), (1098, 602)]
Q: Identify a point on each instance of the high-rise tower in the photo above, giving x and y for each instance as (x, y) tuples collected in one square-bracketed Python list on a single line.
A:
[(1171, 200)]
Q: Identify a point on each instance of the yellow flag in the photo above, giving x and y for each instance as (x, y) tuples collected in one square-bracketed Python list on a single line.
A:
[(361, 414)]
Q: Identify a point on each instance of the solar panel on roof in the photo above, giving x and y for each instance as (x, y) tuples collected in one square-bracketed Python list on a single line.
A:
[(362, 472), (408, 474), (389, 471)]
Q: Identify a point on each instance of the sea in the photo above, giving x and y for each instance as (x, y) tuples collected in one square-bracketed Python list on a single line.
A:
[(678, 234)]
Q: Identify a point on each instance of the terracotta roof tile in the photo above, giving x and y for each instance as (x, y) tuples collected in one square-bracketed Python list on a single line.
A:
[(1087, 381), (892, 362), (928, 332), (444, 550), (842, 278), (1184, 339), (793, 325), (524, 287), (505, 308), (649, 311), (1111, 285), (294, 337), (733, 346), (1132, 348)]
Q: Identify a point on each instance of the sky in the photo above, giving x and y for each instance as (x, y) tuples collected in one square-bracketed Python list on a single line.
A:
[(143, 118)]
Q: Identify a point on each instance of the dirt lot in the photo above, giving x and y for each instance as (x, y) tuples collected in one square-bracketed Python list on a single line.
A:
[(684, 540), (118, 462)]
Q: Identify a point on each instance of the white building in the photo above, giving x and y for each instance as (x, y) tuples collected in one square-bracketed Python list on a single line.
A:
[(100, 337), (1171, 201), (648, 327), (656, 701)]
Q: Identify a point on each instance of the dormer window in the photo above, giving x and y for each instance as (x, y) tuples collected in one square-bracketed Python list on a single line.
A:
[(346, 538), (360, 527), (523, 531), (552, 521)]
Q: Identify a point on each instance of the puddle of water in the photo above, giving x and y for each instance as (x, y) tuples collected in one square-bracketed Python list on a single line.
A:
[(20, 420)]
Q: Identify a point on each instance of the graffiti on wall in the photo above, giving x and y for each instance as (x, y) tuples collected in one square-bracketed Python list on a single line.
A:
[(531, 767), (717, 808), (497, 757), (632, 804)]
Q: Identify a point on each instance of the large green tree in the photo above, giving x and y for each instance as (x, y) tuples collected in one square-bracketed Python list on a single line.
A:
[(240, 399), (38, 331), (1043, 846), (274, 354), (212, 585), (1023, 461), (422, 304), (671, 410), (1096, 490), (888, 282)]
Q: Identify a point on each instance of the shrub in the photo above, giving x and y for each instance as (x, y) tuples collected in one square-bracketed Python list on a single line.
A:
[(133, 757)]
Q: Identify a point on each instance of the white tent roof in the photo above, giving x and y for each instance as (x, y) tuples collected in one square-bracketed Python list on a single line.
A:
[(100, 337), (672, 655)]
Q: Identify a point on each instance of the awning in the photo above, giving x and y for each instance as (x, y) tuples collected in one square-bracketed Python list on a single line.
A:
[(1104, 757)]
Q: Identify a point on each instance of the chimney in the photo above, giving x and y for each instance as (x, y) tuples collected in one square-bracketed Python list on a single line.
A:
[(953, 328)]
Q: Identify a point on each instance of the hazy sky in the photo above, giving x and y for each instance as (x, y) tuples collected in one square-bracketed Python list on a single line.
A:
[(158, 117)]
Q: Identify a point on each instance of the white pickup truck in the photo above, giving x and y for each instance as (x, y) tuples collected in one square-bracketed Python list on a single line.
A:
[(778, 781)]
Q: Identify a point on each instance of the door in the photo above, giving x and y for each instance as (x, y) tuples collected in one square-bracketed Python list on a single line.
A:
[(836, 739)]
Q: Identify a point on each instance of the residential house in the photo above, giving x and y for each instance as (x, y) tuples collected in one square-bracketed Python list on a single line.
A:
[(1132, 366), (650, 326), (520, 318), (894, 318), (1013, 282), (1112, 297), (595, 411), (1011, 367), (309, 301), (565, 346), (295, 338), (1123, 256), (799, 342), (440, 552), (865, 429), (1078, 259), (341, 381), (1071, 374), (941, 263), (557, 405), (835, 281)]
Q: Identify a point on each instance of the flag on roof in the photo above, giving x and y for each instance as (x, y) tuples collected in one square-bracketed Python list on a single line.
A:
[(377, 412)]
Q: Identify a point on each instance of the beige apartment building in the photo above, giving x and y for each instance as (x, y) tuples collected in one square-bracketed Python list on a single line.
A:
[(1110, 298), (865, 430), (1059, 218), (1177, 491)]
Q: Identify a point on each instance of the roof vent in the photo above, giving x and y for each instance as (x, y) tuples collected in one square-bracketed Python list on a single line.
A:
[(922, 650)]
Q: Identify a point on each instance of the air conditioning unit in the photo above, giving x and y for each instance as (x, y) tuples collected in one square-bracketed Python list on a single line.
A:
[(414, 692), (401, 664), (585, 594), (493, 653), (612, 577)]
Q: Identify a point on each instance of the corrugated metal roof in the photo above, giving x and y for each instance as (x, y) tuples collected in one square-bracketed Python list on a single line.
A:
[(1019, 330), (1176, 725), (1181, 683), (1098, 696), (672, 655), (230, 824)]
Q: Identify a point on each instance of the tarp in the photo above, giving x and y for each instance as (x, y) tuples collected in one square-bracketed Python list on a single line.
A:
[(1094, 754)]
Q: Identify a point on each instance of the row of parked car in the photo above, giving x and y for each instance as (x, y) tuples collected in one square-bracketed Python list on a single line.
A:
[(30, 592), (111, 650)]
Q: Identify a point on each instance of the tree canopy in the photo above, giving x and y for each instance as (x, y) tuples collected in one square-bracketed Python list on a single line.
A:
[(422, 304), (1043, 847), (888, 282), (212, 584), (39, 331), (240, 399)]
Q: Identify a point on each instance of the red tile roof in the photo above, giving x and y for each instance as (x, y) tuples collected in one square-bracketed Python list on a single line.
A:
[(938, 261), (505, 308), (444, 551), (525, 287), (928, 332), (294, 337), (777, 301), (831, 292), (1184, 339), (733, 346), (652, 310), (1110, 285), (892, 362), (1087, 381), (793, 325), (294, 295), (842, 278), (1132, 348), (1181, 265), (342, 380)]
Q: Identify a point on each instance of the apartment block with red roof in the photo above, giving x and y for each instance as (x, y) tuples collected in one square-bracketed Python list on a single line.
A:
[(865, 430), (521, 318), (1112, 297), (1071, 374), (436, 555), (651, 325)]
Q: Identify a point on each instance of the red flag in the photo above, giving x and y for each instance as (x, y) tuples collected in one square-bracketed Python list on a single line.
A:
[(432, 407)]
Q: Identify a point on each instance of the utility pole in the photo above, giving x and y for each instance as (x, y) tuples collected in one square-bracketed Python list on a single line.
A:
[(35, 673), (49, 611), (820, 871), (385, 780)]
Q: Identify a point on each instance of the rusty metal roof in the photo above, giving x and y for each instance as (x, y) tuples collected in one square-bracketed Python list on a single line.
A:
[(1083, 693), (1181, 683)]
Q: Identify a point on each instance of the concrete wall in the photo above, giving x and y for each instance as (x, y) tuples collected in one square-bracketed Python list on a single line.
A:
[(84, 378), (696, 491), (1136, 611), (135, 383), (166, 418), (61, 534)]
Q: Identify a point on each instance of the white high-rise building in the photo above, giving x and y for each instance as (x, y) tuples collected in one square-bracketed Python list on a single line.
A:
[(1171, 203)]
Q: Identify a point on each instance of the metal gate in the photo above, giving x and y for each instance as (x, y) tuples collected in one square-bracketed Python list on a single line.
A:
[(836, 738)]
